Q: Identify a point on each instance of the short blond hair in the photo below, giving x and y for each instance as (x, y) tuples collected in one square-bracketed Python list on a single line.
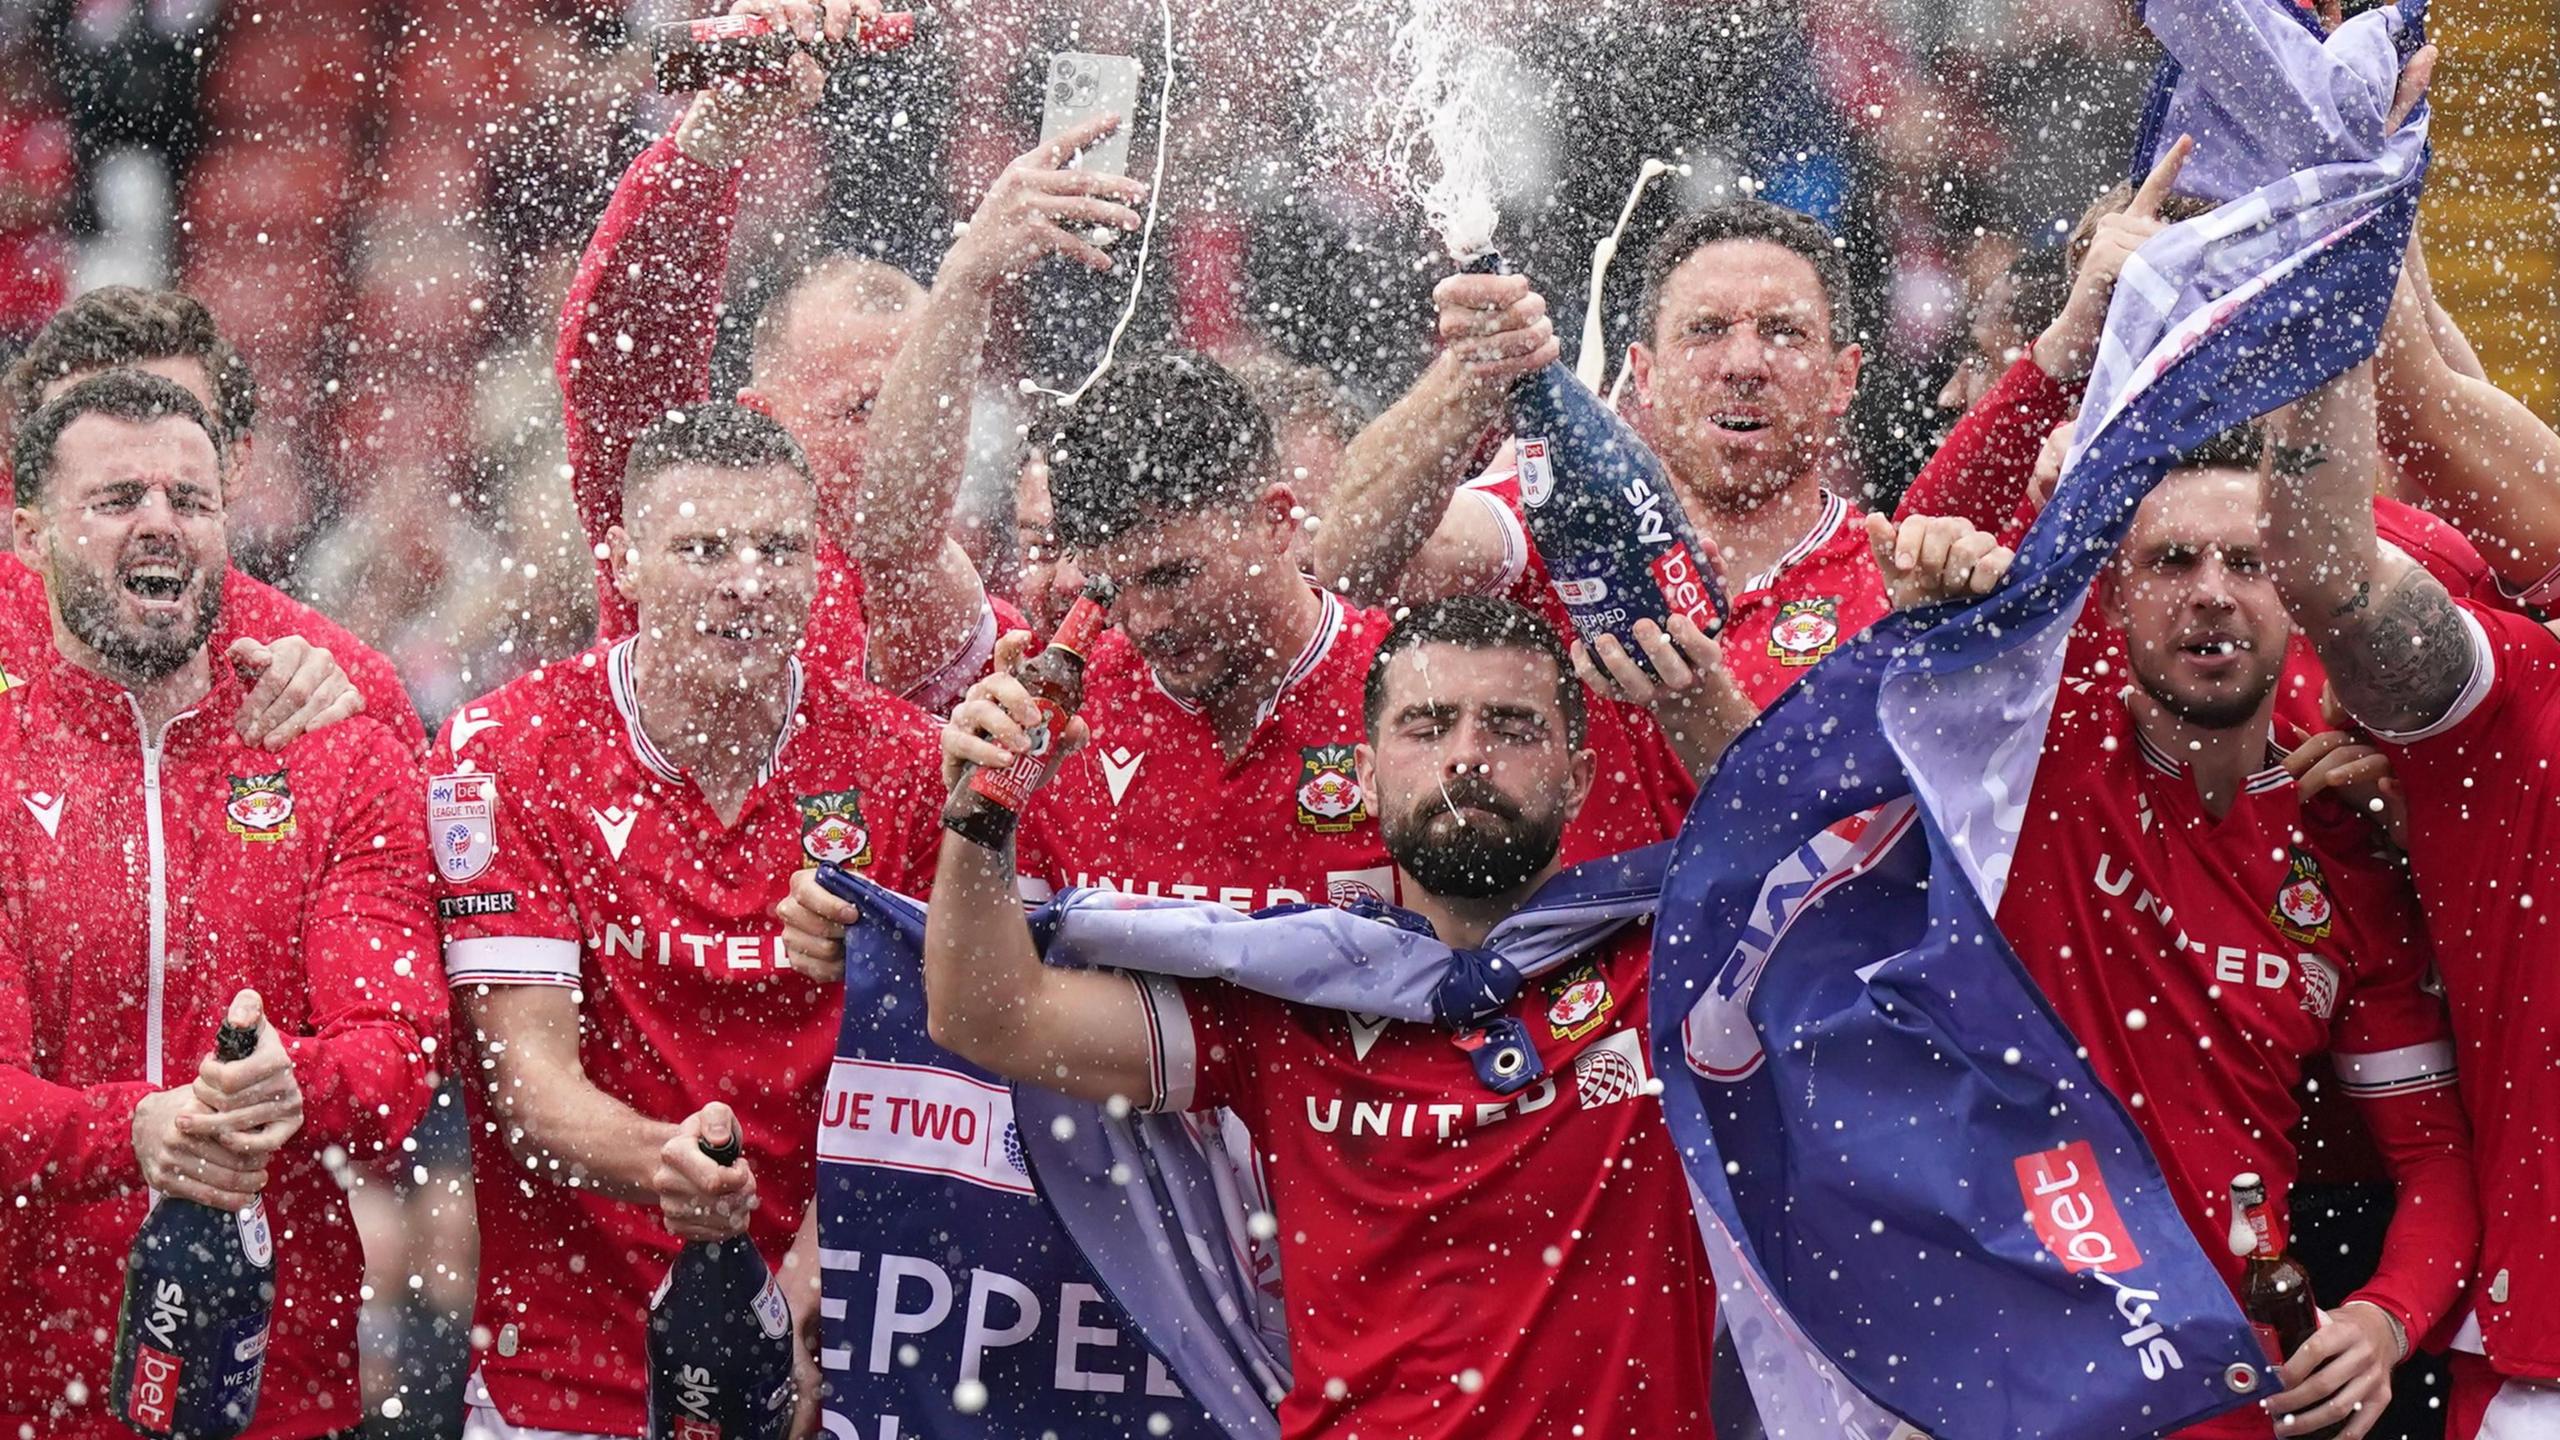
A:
[(849, 285)]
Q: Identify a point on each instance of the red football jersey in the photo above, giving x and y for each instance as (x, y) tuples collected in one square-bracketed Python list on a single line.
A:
[(571, 852), (1154, 806), (2484, 821), (1821, 593), (2202, 962), (1462, 1262)]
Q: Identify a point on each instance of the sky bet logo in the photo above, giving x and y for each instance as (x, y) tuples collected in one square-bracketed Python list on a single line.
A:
[(154, 1402), (2075, 1216)]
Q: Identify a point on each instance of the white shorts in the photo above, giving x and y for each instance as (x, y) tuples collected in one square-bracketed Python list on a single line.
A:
[(481, 1420)]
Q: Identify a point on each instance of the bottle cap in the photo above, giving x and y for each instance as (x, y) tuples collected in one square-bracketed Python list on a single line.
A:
[(1100, 590), (238, 1037), (724, 1152)]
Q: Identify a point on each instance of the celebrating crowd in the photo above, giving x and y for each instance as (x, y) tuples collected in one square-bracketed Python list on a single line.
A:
[(2283, 840)]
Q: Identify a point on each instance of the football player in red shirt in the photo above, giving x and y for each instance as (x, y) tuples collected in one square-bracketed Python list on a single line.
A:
[(2466, 696), (2205, 931), (1464, 1262), (611, 834), (900, 599), (1738, 383), (305, 670), (160, 863)]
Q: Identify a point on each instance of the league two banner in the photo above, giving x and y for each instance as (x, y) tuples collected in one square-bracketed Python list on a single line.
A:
[(1922, 1208)]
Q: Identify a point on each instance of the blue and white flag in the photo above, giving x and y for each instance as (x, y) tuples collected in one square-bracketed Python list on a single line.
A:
[(999, 1260), (1920, 1203)]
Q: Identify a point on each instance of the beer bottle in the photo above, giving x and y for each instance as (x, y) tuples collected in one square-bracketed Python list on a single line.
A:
[(720, 1340), (986, 804), (1602, 511), (199, 1290), (748, 49), (2276, 1292)]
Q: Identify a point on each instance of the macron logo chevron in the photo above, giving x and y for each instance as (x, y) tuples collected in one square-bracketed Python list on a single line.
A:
[(1365, 1030), (1119, 767), (47, 809), (615, 823), (471, 722)]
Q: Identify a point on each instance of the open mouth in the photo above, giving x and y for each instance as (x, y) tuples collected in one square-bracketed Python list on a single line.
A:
[(2214, 647), (743, 631), (155, 582), (1733, 422)]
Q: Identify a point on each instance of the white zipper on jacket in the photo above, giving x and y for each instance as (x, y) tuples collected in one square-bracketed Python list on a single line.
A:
[(156, 846)]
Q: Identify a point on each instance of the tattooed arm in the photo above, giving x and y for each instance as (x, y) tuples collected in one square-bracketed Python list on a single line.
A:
[(2397, 648)]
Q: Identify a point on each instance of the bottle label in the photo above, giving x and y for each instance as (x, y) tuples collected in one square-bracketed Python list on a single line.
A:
[(257, 1241), (1011, 786), (2268, 1342), (1537, 473), (152, 1401), (717, 28), (772, 1315)]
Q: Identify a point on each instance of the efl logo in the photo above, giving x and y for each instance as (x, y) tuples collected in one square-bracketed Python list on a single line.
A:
[(2074, 1215), (154, 1401)]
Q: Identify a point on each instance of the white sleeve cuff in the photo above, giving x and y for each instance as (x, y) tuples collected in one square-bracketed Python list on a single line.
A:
[(2484, 674), (510, 960), (1173, 1056), (2427, 1065), (1515, 536)]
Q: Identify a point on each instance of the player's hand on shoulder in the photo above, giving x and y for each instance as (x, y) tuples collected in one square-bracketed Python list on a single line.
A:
[(994, 723), (814, 920), (698, 1198), (1930, 558), (2342, 764), (295, 688), (2342, 1373)]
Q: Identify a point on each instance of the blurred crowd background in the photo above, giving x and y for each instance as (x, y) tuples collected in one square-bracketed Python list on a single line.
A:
[(383, 202)]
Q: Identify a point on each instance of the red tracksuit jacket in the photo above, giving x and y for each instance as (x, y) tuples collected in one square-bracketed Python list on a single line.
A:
[(143, 888)]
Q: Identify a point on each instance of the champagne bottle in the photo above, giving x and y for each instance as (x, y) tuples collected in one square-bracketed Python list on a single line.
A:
[(720, 1340), (689, 55), (2276, 1292), (1602, 510), (199, 1292), (986, 804)]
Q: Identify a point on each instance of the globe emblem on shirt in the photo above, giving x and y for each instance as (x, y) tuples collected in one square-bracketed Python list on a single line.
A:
[(2319, 987), (1013, 1155), (1805, 630)]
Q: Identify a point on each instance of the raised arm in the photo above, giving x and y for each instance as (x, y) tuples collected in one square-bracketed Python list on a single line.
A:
[(988, 997), (2476, 451), (1390, 529), (2397, 649), (923, 600)]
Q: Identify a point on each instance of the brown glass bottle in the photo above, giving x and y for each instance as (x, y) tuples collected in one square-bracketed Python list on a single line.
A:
[(692, 54), (985, 804), (2276, 1292)]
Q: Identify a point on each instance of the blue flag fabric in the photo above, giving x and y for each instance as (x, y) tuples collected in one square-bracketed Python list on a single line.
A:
[(939, 1263), (1921, 1204), (938, 1181)]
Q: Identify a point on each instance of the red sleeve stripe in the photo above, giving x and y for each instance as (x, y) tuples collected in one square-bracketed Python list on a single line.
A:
[(2428, 1065)]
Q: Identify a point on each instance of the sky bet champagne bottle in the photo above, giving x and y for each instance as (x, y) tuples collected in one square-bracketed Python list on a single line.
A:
[(191, 1340), (720, 1340), (1602, 510)]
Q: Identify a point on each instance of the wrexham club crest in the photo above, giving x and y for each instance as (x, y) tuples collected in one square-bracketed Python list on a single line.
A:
[(2302, 912), (831, 830), (261, 807), (1329, 798), (1580, 1002), (1805, 630)]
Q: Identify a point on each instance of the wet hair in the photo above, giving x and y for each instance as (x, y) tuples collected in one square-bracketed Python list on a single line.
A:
[(847, 285), (1167, 434), (1747, 218), (2237, 448), (118, 326), (1477, 622), (120, 394), (1289, 390), (719, 433)]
